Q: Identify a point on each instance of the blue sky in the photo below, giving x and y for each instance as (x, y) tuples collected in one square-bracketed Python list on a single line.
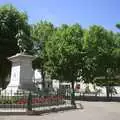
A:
[(84, 12)]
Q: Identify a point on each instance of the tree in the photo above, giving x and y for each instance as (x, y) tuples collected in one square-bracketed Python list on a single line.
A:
[(118, 25), (116, 54), (41, 33), (99, 44), (11, 21), (89, 60), (64, 52)]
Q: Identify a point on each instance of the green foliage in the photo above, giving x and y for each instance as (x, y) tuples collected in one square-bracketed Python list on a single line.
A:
[(11, 21), (8, 99), (118, 25), (41, 33), (64, 52), (99, 45), (102, 48)]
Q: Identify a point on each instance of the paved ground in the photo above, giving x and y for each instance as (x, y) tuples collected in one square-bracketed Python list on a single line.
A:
[(91, 111)]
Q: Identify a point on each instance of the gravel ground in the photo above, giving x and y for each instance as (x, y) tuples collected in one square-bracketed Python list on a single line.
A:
[(90, 111)]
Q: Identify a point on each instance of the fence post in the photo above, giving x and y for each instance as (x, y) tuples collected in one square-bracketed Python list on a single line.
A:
[(29, 102)]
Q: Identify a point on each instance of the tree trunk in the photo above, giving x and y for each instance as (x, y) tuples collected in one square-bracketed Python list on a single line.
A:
[(43, 78), (111, 93), (5, 68), (107, 87), (2, 74), (73, 93), (107, 91)]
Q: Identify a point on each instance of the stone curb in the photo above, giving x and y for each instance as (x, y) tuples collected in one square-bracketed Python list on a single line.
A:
[(50, 111), (33, 112), (12, 113)]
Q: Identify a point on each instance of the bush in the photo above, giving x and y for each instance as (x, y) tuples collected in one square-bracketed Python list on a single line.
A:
[(9, 99)]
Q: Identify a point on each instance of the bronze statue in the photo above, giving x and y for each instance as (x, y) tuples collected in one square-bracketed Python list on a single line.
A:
[(20, 36)]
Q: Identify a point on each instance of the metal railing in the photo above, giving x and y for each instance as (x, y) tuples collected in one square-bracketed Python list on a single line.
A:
[(34, 100)]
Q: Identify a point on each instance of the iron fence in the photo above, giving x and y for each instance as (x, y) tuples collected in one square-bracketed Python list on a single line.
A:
[(34, 100)]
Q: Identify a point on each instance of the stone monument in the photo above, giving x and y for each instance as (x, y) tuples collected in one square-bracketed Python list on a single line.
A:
[(21, 72)]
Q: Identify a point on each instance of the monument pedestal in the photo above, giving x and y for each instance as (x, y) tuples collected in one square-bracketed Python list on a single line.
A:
[(21, 74)]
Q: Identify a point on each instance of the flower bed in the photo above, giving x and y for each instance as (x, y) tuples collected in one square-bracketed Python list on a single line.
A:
[(49, 100)]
